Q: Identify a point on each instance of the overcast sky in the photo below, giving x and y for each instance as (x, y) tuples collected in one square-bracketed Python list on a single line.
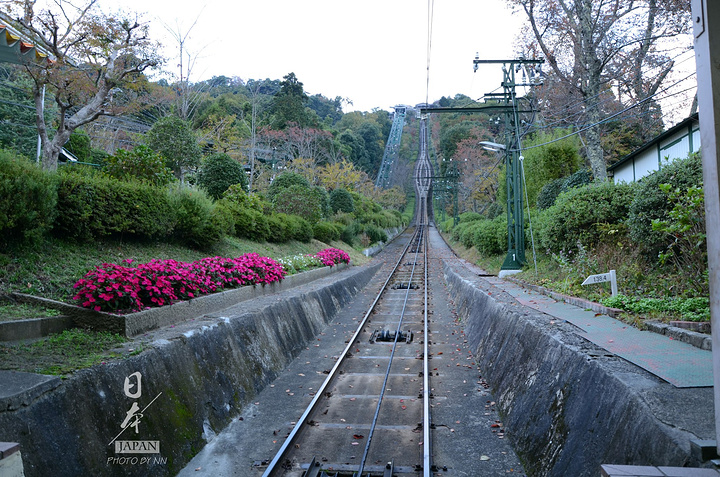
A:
[(372, 52)]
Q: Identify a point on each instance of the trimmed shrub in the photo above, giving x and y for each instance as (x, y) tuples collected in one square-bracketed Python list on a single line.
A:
[(469, 217), (324, 199), (383, 219), (326, 232), (174, 140), (218, 172), (237, 194), (197, 224), (577, 213), (284, 181), (300, 229), (494, 210), (341, 200), (459, 230), (490, 237), (27, 200), (95, 207), (300, 201), (280, 230), (579, 179), (550, 191), (344, 218), (375, 234), (651, 203), (364, 206), (467, 235), (79, 146), (250, 223), (350, 234)]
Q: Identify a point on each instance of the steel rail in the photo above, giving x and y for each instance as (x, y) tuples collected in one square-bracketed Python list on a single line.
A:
[(300, 422), (419, 236), (427, 444)]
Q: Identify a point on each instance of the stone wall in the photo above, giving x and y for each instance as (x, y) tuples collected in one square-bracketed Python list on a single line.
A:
[(567, 405), (201, 378)]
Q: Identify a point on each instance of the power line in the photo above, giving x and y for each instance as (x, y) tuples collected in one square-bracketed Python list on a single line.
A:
[(633, 116), (431, 13), (612, 116), (584, 100)]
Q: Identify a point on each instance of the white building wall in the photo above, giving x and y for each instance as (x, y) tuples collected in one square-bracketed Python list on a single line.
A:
[(624, 173), (674, 147), (670, 150), (646, 163)]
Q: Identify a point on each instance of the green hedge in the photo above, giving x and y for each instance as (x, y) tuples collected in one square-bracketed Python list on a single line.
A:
[(327, 231), (650, 203), (490, 236), (300, 229), (95, 207), (375, 233), (577, 213), (27, 200), (280, 230), (199, 223)]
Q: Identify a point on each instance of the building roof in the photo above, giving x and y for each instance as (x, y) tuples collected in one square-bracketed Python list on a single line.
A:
[(16, 49), (679, 126)]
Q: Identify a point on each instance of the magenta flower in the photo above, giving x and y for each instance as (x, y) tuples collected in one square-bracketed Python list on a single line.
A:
[(332, 256), (159, 282)]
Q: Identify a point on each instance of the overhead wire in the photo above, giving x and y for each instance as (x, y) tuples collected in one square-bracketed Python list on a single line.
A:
[(624, 116), (581, 102), (431, 13), (609, 118)]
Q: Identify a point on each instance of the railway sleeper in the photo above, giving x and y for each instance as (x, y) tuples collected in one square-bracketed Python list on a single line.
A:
[(387, 335), (406, 286), (315, 470)]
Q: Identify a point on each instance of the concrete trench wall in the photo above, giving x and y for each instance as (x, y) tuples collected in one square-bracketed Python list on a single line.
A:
[(566, 407), (205, 375)]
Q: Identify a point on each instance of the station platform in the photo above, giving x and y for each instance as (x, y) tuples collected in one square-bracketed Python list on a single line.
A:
[(687, 368)]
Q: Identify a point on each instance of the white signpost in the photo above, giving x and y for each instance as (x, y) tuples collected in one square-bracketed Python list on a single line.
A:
[(604, 277)]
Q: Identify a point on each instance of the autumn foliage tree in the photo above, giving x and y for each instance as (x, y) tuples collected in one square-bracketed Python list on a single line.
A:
[(591, 44), (95, 65)]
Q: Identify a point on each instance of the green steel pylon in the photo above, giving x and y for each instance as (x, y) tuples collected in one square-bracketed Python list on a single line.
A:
[(392, 149)]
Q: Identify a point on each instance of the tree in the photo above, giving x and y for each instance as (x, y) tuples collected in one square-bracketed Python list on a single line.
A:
[(294, 142), (341, 200), (284, 181), (218, 172), (95, 66), (175, 141), (289, 104), (343, 175), (588, 44), (187, 97)]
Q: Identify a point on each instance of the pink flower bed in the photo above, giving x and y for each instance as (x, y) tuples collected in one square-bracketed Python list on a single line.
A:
[(332, 256), (117, 288)]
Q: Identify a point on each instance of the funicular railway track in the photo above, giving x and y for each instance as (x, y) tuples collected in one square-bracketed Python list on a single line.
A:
[(371, 416)]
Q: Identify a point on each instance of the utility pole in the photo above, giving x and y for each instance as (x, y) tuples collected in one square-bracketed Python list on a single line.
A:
[(706, 18), (515, 258), (507, 102)]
